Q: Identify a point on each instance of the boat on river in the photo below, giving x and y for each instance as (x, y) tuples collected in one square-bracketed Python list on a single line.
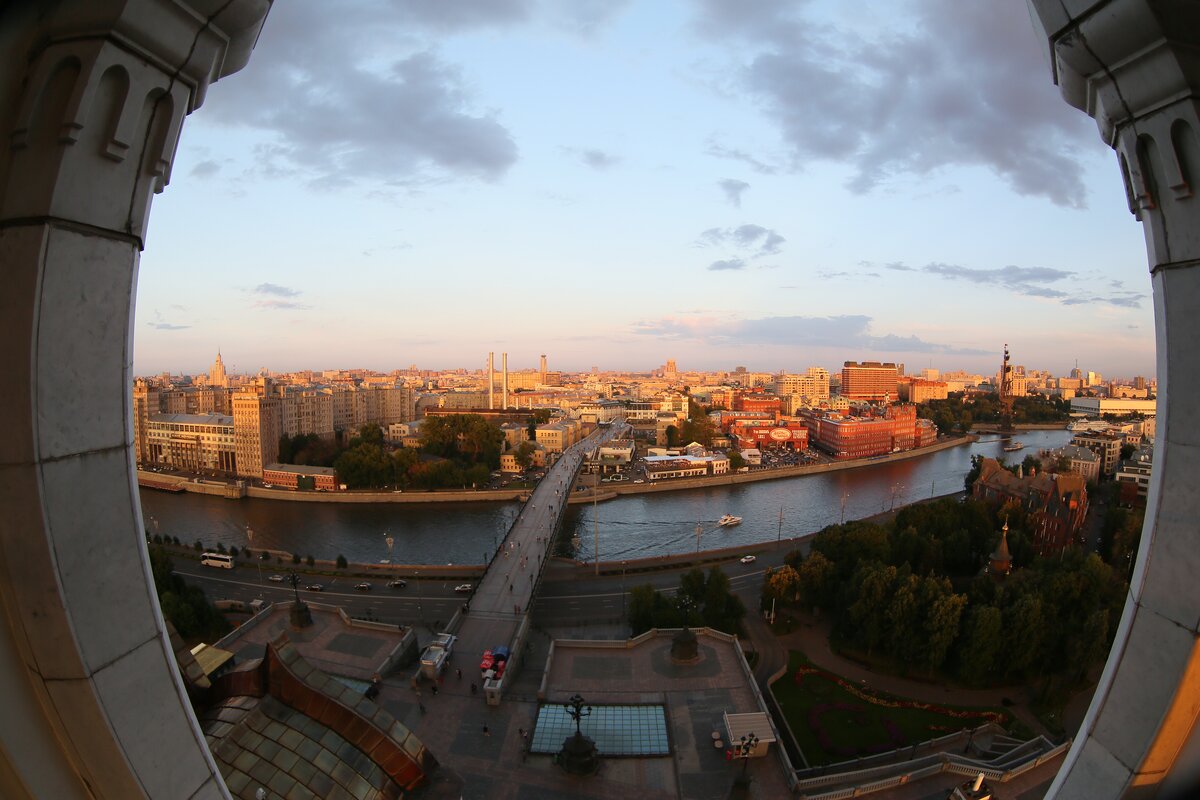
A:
[(1013, 447), (729, 520)]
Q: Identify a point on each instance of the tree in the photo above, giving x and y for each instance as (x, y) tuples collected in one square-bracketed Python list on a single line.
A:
[(295, 558), (310, 561), (941, 628), (783, 585), (524, 454), (672, 436), (1127, 451), (818, 581), (341, 561), (980, 645), (736, 461)]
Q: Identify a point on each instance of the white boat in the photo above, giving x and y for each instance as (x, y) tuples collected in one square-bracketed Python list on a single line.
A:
[(1012, 448), (729, 520)]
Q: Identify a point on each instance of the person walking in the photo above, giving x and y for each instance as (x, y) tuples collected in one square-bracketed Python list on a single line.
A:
[(474, 689), (458, 672), (434, 690), (486, 732)]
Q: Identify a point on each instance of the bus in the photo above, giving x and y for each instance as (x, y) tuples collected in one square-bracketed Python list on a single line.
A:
[(217, 560)]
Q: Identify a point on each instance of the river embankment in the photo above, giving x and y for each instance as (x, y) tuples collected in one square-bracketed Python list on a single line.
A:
[(612, 491), (608, 492)]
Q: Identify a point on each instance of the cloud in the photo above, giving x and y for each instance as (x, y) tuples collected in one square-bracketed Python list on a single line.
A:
[(761, 167), (1123, 300), (167, 326), (276, 289), (733, 190), (205, 169), (727, 264), (899, 267), (751, 238), (281, 305), (964, 86), (358, 96), (843, 331), (1023, 280), (594, 158)]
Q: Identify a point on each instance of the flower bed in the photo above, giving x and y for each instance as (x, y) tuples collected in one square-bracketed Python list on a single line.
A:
[(834, 719)]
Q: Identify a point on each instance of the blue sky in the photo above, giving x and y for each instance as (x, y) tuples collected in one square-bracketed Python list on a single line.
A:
[(767, 184)]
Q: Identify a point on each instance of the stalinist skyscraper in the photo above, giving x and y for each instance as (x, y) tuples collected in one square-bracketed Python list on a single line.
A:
[(216, 376)]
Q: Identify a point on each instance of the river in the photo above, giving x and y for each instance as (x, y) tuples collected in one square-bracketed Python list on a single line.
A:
[(630, 526)]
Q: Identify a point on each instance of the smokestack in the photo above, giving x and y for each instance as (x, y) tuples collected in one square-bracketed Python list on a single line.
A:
[(504, 367), (491, 379), (543, 367)]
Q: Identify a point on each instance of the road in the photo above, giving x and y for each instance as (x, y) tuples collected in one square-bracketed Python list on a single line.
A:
[(423, 602)]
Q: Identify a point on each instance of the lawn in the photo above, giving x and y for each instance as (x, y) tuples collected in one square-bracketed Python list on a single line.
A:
[(834, 720)]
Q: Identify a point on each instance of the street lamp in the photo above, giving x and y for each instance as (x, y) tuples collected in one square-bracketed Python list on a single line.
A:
[(844, 496), (389, 541), (250, 541), (699, 530)]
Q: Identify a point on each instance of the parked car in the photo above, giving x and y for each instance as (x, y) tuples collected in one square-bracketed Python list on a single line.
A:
[(463, 588), (399, 583), (363, 587), (749, 559), (276, 578)]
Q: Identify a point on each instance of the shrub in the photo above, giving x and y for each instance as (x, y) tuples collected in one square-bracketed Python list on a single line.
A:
[(295, 558), (310, 561), (341, 561)]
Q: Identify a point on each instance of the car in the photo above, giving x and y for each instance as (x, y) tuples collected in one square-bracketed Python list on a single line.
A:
[(363, 587), (315, 587), (463, 588), (638, 480), (276, 578), (749, 559), (399, 583)]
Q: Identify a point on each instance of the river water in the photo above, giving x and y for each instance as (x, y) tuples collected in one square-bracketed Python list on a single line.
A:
[(631, 526)]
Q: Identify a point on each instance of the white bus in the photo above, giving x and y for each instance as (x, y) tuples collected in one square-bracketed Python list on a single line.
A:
[(216, 560)]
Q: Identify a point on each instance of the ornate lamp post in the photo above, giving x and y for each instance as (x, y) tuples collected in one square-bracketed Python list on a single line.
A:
[(389, 541), (300, 616), (250, 541), (578, 755)]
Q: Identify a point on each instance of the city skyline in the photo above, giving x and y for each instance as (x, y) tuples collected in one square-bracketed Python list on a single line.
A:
[(719, 185)]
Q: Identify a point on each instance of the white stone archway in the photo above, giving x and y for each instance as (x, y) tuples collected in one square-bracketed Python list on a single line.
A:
[(92, 97)]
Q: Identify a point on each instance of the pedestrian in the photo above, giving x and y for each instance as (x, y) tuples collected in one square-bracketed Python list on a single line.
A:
[(435, 690), (422, 707), (486, 732), (522, 732), (458, 672), (474, 689), (418, 694)]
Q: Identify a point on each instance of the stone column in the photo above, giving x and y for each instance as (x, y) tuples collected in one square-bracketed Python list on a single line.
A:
[(1134, 66), (92, 97)]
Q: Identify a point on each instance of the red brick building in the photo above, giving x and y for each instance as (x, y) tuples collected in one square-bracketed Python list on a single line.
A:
[(757, 401), (894, 430), (791, 434), (1055, 505)]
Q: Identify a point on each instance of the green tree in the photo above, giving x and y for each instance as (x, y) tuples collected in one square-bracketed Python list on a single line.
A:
[(736, 461), (981, 644), (874, 584), (782, 585), (341, 561), (941, 628), (672, 436), (524, 454), (310, 561), (818, 581), (295, 558)]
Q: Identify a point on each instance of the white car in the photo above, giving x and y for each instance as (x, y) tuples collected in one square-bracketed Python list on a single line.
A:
[(749, 559), (463, 588), (277, 578)]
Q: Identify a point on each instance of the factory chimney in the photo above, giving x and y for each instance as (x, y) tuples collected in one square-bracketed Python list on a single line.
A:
[(504, 389), (491, 379)]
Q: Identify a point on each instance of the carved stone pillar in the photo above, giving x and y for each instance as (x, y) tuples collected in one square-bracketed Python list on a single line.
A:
[(92, 97), (1134, 65)]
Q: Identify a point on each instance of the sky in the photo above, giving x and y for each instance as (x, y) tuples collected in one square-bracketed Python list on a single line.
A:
[(615, 183)]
